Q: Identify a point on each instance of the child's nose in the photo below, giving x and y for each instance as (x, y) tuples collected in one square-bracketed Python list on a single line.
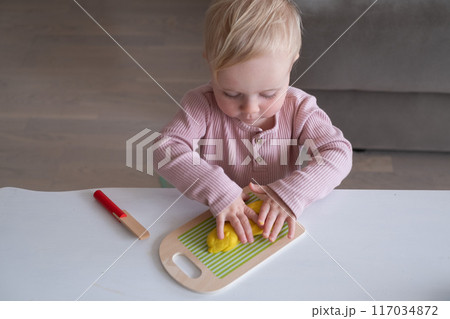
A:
[(250, 105)]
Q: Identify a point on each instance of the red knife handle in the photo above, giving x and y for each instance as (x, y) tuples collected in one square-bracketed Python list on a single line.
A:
[(108, 204)]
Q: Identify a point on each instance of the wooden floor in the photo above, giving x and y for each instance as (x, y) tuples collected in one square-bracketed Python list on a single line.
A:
[(70, 97)]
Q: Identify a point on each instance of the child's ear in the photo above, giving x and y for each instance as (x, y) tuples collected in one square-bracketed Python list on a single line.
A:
[(295, 60), (204, 55)]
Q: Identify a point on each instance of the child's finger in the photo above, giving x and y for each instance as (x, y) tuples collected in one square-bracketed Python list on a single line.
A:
[(256, 188), (245, 196), (247, 228), (236, 224), (291, 225), (220, 222), (265, 208), (277, 227), (271, 217), (250, 213)]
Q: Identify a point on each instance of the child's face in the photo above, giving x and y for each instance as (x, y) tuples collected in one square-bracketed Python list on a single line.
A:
[(254, 90)]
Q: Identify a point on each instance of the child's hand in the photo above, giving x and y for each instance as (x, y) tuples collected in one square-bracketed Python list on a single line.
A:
[(274, 212), (237, 213)]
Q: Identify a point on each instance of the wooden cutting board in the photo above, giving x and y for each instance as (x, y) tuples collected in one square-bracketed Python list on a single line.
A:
[(220, 269)]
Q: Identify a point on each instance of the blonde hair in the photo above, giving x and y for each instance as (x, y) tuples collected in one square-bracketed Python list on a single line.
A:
[(239, 30)]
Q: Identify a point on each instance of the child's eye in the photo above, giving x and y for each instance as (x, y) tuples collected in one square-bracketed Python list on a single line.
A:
[(268, 96), (232, 96)]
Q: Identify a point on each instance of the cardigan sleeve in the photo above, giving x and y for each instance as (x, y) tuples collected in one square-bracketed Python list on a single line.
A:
[(330, 153), (186, 170)]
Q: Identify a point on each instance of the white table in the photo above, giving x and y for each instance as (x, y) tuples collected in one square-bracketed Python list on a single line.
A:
[(391, 245)]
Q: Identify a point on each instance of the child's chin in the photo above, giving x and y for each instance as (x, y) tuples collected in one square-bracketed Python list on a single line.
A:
[(249, 122)]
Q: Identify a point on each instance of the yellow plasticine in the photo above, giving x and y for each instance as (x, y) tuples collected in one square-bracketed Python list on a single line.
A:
[(230, 240)]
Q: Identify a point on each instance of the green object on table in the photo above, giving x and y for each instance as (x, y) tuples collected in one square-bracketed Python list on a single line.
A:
[(164, 183), (223, 263)]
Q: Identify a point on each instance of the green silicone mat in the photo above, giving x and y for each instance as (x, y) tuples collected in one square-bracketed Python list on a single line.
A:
[(223, 263)]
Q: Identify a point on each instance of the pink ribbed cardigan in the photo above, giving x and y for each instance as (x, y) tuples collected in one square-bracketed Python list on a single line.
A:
[(252, 153)]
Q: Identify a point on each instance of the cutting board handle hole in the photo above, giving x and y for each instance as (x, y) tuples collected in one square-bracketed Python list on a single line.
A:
[(187, 266)]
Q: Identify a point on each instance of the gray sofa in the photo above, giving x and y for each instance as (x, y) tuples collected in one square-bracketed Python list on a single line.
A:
[(386, 82)]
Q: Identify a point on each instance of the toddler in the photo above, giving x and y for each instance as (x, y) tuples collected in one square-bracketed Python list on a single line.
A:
[(248, 127)]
